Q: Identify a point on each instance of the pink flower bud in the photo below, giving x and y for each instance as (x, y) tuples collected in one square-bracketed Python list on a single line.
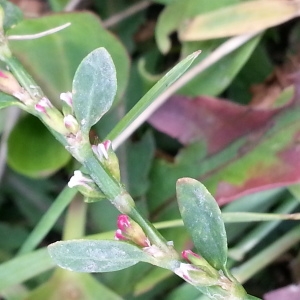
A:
[(71, 124), (9, 84), (3, 75), (43, 105), (187, 253), (119, 235), (123, 222), (131, 231)]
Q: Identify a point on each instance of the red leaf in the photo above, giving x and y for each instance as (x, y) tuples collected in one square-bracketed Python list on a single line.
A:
[(216, 121), (267, 157)]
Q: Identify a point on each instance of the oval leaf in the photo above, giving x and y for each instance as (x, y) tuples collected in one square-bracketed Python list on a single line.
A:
[(202, 218), (65, 50), (33, 151), (12, 14), (243, 18), (94, 88), (95, 256)]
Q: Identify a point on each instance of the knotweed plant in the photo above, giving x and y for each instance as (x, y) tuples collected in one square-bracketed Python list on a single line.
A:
[(136, 239)]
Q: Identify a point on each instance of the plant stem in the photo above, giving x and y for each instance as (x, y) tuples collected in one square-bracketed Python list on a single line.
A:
[(119, 197), (24, 78), (48, 220), (74, 226)]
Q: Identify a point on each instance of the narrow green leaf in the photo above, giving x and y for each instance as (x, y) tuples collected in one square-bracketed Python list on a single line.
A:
[(24, 267), (150, 97), (95, 256), (202, 218), (94, 87), (48, 220), (7, 100), (243, 18)]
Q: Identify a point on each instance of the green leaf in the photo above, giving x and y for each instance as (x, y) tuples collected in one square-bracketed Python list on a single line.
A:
[(33, 151), (62, 282), (12, 14), (150, 97), (243, 18), (7, 100), (215, 79), (95, 256), (24, 267), (65, 50), (138, 174), (179, 12), (94, 88), (202, 218)]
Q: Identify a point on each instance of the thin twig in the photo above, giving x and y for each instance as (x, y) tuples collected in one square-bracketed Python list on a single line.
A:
[(38, 35), (72, 4), (11, 117), (223, 50), (126, 13)]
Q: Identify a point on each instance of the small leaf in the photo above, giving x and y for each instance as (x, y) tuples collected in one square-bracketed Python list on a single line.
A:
[(202, 218), (94, 88), (133, 117), (242, 18), (12, 14), (8, 100), (95, 256)]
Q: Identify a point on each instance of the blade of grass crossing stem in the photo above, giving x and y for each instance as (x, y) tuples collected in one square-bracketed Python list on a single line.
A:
[(267, 256), (256, 235), (48, 220), (143, 106)]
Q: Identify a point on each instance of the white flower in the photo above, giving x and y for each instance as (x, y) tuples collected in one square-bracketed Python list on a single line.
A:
[(66, 97), (78, 179), (101, 150)]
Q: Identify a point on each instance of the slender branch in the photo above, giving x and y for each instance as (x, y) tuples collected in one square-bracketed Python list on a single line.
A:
[(40, 34), (223, 50), (117, 18), (11, 117), (72, 4)]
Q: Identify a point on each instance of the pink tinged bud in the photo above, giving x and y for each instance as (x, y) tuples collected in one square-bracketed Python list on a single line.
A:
[(71, 124), (101, 150), (3, 75), (43, 105), (78, 179), (9, 84), (123, 222), (131, 231), (183, 271), (186, 254), (67, 98), (119, 235)]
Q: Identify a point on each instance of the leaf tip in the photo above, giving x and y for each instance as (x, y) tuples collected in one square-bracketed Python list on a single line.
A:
[(185, 180), (196, 53)]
